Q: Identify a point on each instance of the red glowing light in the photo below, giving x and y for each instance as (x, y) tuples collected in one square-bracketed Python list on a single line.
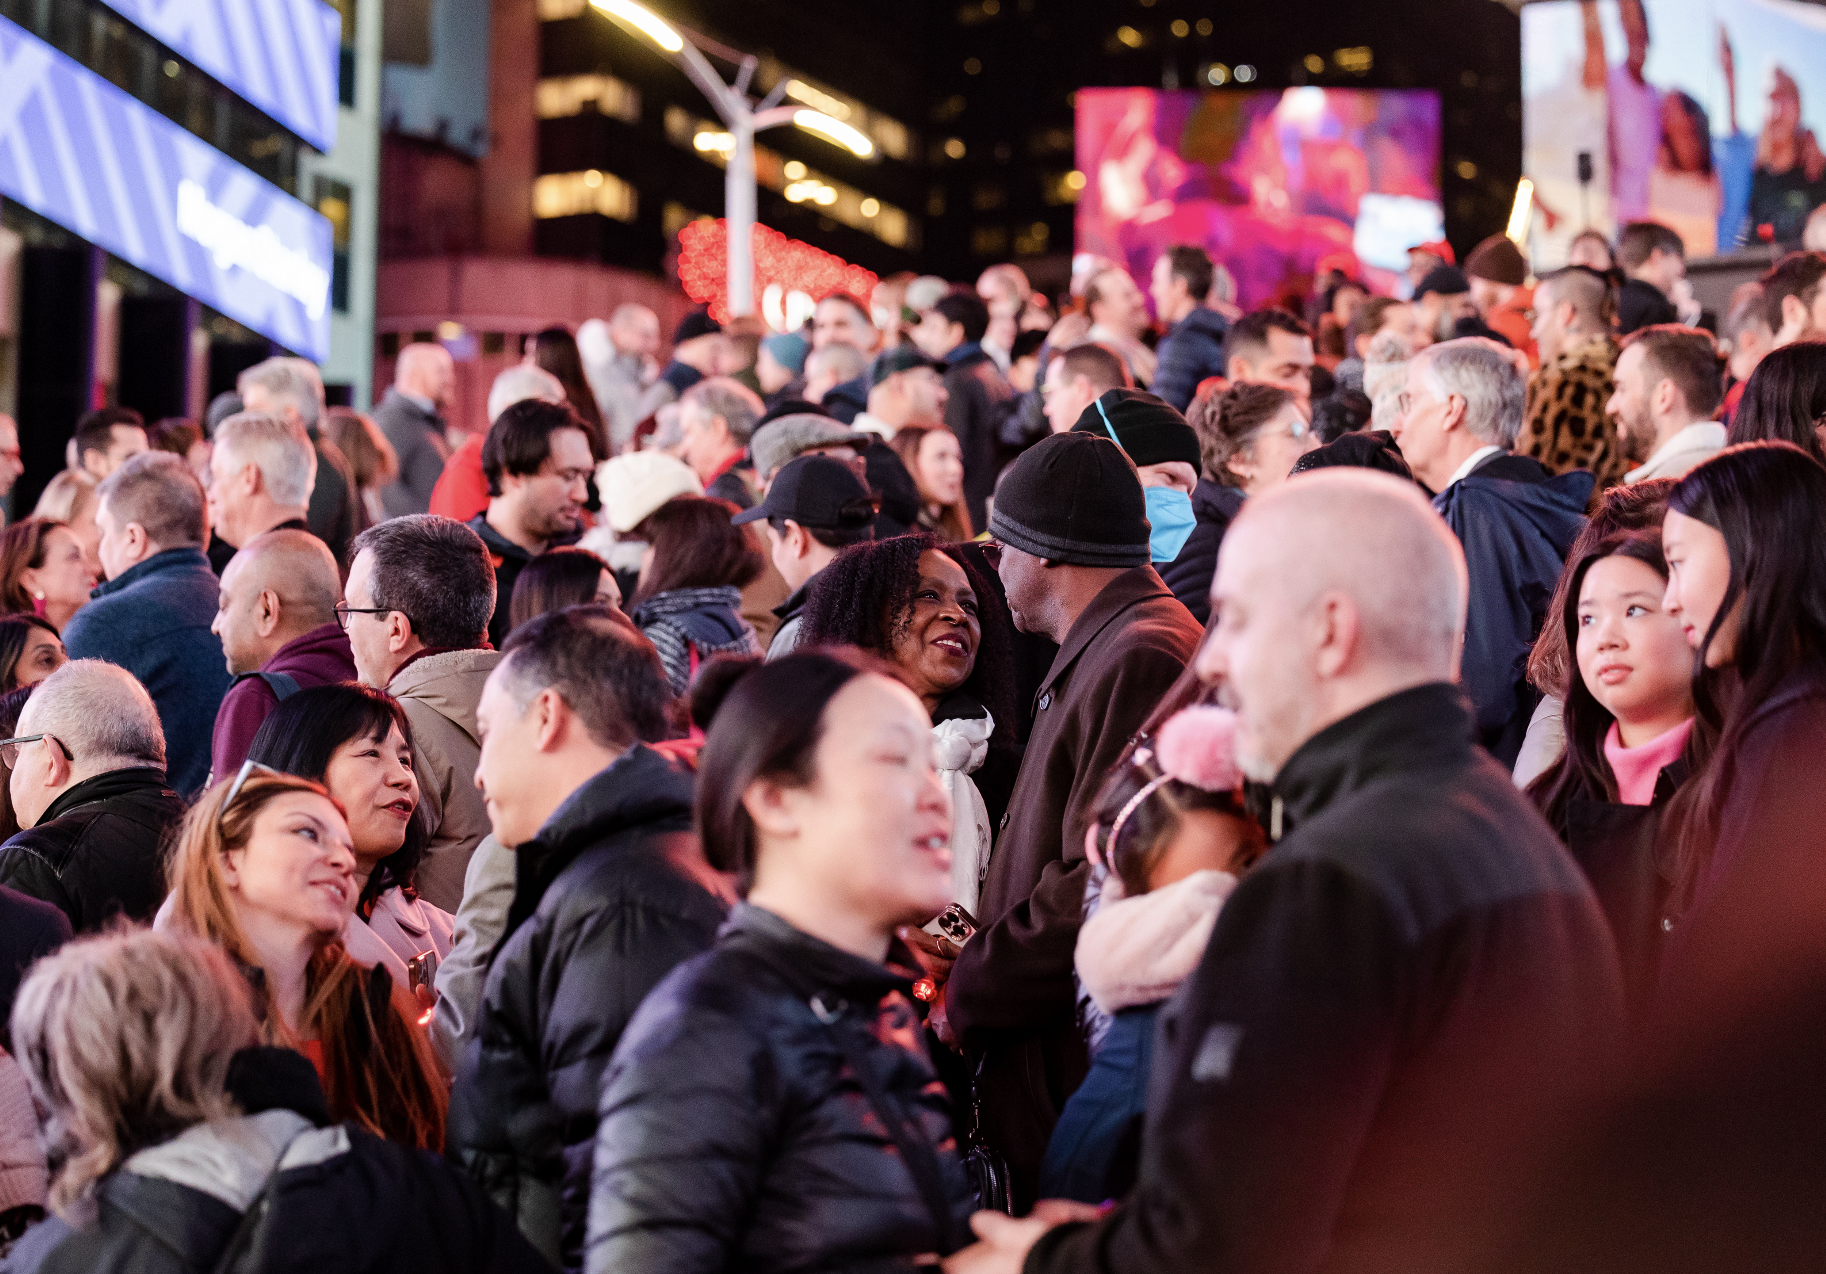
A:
[(703, 267)]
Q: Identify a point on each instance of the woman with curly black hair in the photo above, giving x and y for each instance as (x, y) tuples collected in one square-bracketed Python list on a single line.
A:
[(924, 609)]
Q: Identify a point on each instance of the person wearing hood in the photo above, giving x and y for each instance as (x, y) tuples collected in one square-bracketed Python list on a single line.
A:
[(1165, 453), (419, 594), (611, 891), (537, 461), (277, 622), (1516, 521), (1193, 348)]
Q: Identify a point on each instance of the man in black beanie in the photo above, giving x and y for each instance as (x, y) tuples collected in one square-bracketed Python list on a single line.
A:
[(1073, 529)]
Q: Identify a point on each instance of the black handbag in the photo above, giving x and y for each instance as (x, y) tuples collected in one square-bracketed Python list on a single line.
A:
[(987, 1170)]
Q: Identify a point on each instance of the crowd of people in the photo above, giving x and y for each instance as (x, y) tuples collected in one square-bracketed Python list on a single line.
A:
[(1015, 783)]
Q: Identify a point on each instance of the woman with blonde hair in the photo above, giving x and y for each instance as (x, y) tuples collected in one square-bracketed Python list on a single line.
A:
[(935, 458), (265, 869), (70, 498), (182, 1144)]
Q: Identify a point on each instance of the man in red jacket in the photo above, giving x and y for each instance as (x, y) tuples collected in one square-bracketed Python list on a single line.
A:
[(277, 622)]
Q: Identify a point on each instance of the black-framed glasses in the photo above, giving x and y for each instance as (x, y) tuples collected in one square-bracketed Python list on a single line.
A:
[(344, 610), (992, 554), (248, 767), (9, 748)]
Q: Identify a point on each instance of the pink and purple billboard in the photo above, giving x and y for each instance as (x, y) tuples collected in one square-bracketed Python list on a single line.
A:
[(1269, 182)]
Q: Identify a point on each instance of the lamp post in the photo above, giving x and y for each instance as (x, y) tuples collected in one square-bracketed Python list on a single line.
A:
[(744, 118)]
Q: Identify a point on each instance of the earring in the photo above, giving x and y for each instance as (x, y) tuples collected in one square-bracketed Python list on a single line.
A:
[(37, 595)]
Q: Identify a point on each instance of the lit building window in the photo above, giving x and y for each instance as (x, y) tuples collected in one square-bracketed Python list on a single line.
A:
[(1063, 188), (573, 194), (567, 96)]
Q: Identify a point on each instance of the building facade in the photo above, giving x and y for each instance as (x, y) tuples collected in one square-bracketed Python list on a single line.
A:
[(184, 190)]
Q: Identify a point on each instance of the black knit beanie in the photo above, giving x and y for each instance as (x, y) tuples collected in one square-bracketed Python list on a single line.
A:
[(1073, 498), (1142, 425)]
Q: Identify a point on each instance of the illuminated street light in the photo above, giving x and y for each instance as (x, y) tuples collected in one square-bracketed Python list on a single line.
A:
[(744, 118), (835, 130)]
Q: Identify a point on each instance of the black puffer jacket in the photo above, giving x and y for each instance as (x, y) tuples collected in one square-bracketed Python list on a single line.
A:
[(342, 1200), (100, 849), (734, 1136), (603, 909)]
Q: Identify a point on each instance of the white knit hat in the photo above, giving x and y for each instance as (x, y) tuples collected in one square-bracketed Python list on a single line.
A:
[(635, 484)]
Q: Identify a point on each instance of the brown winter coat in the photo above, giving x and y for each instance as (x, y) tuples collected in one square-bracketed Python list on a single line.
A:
[(1010, 997), (439, 694)]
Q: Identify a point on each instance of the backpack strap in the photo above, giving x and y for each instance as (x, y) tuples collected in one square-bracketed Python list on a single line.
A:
[(282, 685)]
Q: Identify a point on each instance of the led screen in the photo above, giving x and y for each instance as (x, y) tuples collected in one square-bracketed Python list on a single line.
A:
[(280, 55), (1270, 182), (79, 151), (1699, 114)]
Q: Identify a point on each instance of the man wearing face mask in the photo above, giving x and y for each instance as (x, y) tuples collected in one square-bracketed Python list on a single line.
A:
[(1164, 451)]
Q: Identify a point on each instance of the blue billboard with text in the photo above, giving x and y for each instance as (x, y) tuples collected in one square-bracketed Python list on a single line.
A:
[(280, 55), (77, 150)]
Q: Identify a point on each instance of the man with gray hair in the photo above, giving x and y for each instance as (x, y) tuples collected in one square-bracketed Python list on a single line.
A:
[(153, 615), (411, 415), (88, 786), (716, 419), (261, 474), (1406, 988), (419, 596), (292, 388), (1462, 410)]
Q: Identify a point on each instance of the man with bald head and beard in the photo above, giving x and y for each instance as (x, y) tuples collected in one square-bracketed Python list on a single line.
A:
[(276, 617), (1395, 995)]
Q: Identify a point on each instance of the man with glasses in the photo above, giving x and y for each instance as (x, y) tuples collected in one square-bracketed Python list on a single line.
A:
[(1461, 412), (88, 786), (419, 595), (537, 462)]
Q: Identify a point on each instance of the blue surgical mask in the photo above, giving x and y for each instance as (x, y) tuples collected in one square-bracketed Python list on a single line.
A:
[(1170, 515), (1169, 510)]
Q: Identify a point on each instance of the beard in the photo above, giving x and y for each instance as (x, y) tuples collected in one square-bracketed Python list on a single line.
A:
[(1637, 437)]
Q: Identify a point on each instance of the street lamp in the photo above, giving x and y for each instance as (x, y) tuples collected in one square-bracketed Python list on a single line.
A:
[(744, 119)]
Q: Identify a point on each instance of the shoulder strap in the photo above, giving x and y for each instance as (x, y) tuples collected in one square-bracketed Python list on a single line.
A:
[(282, 685), (915, 1149)]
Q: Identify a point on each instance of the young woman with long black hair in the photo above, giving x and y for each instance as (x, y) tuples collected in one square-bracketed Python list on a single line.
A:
[(1745, 539), (1631, 738)]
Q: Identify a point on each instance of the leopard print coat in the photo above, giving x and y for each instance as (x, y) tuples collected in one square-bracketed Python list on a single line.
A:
[(1566, 427)]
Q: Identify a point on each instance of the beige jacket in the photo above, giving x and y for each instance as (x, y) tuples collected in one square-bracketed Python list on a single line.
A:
[(439, 694)]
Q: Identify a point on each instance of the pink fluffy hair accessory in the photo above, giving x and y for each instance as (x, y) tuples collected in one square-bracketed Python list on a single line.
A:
[(1197, 746)]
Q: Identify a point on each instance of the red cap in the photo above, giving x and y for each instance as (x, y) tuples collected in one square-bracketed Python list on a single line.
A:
[(1439, 248)]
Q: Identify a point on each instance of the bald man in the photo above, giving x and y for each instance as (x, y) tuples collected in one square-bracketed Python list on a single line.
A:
[(411, 415), (277, 620), (1394, 995), (89, 791)]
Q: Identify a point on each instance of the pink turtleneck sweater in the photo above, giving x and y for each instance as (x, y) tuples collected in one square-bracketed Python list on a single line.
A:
[(1637, 768)]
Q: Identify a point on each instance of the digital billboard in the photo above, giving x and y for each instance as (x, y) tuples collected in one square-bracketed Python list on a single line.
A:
[(1269, 182), (82, 153), (1699, 114), (280, 55)]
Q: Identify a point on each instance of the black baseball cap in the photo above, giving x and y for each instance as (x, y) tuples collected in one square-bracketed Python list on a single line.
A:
[(815, 491)]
